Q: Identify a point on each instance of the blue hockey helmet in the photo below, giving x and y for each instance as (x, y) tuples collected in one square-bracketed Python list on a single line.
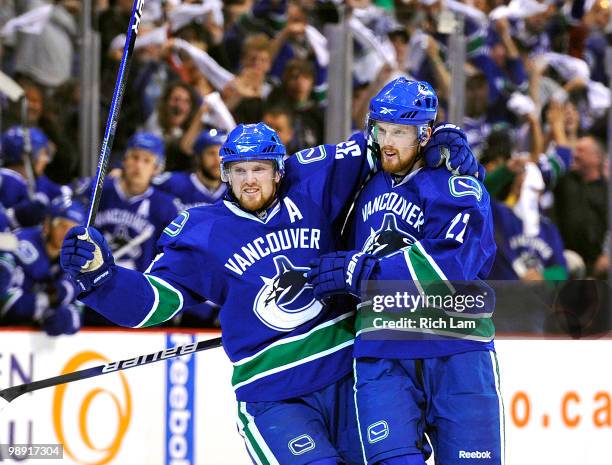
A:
[(67, 208), (249, 142), (404, 102), (149, 142), (13, 144), (207, 138)]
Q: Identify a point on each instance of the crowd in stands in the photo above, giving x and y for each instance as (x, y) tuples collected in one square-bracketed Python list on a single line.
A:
[(536, 109)]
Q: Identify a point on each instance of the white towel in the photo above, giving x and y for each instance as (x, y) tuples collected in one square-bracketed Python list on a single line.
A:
[(521, 104), (216, 74), (518, 9), (219, 115), (599, 97), (157, 36), (567, 66), (527, 208), (32, 22), (318, 42), (468, 11), (188, 12)]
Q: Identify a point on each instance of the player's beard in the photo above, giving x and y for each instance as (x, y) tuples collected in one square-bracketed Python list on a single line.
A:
[(256, 201), (209, 174), (398, 161)]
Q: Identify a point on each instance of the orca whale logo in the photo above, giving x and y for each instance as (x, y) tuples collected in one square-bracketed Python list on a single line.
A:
[(388, 239), (286, 301)]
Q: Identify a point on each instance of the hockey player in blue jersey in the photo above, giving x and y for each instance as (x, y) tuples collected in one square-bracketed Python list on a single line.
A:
[(425, 227), (22, 210), (132, 212), (203, 186), (292, 355), (35, 289)]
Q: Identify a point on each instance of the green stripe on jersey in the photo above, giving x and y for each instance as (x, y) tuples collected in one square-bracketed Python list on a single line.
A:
[(245, 431), (430, 277), (168, 302), (320, 341)]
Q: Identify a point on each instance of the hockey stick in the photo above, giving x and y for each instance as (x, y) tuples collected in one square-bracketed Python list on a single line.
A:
[(111, 122), (10, 394)]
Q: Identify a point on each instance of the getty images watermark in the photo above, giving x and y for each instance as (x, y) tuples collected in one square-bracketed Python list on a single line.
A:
[(453, 306), (461, 310)]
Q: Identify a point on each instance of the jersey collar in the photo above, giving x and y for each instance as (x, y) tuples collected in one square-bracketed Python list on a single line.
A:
[(216, 194), (407, 178), (136, 198), (236, 210)]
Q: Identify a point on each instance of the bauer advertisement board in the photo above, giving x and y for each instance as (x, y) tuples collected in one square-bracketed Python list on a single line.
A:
[(181, 411)]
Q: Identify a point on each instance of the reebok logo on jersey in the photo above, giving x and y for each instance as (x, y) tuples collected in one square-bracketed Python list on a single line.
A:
[(485, 454), (351, 268)]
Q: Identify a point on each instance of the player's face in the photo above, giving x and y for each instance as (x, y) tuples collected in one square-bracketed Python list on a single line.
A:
[(210, 162), (253, 183), (139, 167), (398, 146)]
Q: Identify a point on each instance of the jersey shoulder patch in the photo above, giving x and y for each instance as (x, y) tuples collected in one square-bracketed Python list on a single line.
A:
[(311, 155), (26, 252), (464, 186), (177, 224)]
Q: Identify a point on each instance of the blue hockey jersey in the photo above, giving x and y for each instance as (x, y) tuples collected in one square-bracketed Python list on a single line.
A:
[(516, 252), (281, 340), (124, 220), (14, 188), (187, 189), (33, 276), (432, 227)]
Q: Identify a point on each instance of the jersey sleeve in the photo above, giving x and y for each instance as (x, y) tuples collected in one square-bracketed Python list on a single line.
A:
[(332, 174), (457, 242), (170, 284)]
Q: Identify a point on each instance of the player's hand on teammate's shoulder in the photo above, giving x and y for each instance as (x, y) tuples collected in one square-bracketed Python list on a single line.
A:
[(86, 257), (449, 145), (340, 273)]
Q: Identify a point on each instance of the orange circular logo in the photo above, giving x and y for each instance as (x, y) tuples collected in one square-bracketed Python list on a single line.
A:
[(123, 412)]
